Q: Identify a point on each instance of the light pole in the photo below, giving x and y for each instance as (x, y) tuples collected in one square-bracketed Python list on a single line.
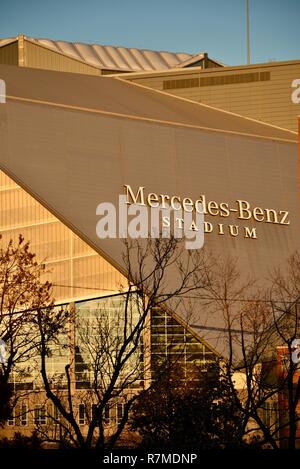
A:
[(248, 31)]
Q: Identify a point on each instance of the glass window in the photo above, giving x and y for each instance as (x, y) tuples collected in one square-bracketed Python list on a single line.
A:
[(55, 414), (120, 412), (11, 420), (107, 413), (24, 415), (170, 340), (95, 412), (100, 336), (81, 415), (40, 415)]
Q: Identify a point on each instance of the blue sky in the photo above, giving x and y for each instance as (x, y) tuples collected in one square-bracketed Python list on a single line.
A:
[(215, 26)]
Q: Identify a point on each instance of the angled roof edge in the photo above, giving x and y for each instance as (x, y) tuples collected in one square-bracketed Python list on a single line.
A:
[(196, 58), (193, 332), (150, 105), (165, 122), (61, 218), (8, 40), (294, 134), (198, 69), (191, 60)]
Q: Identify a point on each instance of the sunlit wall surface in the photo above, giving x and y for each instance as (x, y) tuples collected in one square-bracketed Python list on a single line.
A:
[(76, 270)]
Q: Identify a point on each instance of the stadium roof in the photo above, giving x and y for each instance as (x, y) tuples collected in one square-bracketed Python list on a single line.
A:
[(117, 58)]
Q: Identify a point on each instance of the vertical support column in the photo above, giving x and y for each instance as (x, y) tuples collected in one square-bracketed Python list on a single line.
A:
[(21, 50), (2, 92), (147, 351), (299, 161), (248, 30), (72, 342), (72, 263)]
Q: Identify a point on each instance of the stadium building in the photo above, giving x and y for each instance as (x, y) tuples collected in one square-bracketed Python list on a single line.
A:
[(157, 123)]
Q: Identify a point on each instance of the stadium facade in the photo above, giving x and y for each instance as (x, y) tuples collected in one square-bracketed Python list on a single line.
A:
[(72, 140)]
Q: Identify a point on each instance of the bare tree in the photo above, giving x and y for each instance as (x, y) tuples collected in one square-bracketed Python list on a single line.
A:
[(285, 307), (197, 410), (256, 322), (106, 353), (112, 353), (23, 294)]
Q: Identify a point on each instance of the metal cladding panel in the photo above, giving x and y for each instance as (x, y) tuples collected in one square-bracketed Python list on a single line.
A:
[(9, 53), (114, 96), (40, 57), (268, 100), (72, 160)]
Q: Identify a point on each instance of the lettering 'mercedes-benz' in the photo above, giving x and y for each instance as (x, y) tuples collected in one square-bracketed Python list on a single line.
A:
[(242, 209)]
